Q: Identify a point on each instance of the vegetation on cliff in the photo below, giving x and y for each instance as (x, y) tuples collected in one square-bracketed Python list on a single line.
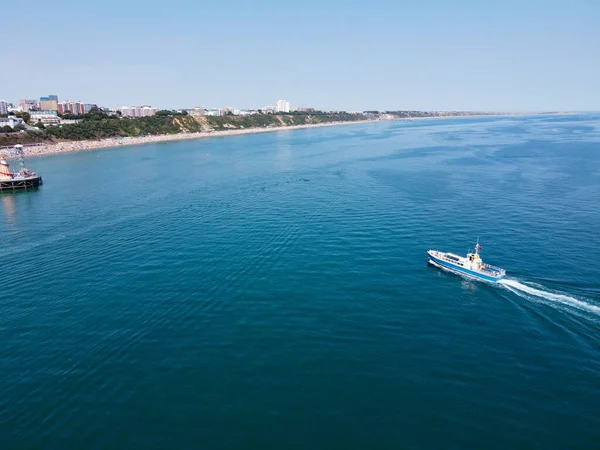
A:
[(97, 125), (275, 120), (98, 129)]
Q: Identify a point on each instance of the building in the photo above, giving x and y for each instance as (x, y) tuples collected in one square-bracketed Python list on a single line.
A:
[(3, 107), (78, 108), (127, 111), (138, 111), (196, 112), (29, 105), (49, 103), (89, 106), (216, 112), (306, 110), (282, 106), (46, 117), (75, 108), (64, 108), (11, 121)]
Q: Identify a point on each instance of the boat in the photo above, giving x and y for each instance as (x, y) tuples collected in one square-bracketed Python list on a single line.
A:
[(471, 265), (22, 179)]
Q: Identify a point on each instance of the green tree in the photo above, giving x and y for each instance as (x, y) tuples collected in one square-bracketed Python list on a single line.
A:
[(24, 115), (95, 114), (40, 125)]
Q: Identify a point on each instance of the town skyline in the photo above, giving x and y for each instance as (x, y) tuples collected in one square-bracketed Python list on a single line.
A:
[(52, 102)]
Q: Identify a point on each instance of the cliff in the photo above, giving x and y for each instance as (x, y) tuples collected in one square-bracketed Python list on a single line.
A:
[(108, 127)]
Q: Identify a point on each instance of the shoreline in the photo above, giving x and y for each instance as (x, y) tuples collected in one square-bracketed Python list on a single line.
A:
[(115, 142), (80, 146)]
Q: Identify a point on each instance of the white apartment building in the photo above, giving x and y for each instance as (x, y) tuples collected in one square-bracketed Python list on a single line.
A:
[(197, 111), (11, 121), (138, 111), (3, 107), (282, 106), (46, 117)]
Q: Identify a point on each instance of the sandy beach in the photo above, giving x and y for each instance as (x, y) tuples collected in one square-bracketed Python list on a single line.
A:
[(77, 146)]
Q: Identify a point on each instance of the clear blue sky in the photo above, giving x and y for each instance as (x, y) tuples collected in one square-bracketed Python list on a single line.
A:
[(526, 55)]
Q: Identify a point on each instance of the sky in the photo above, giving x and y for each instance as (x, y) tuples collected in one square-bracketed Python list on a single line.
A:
[(483, 55)]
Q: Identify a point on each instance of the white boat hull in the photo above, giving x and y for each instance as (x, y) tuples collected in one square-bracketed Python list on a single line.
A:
[(465, 266)]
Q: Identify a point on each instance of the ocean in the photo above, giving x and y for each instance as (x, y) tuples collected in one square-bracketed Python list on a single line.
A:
[(272, 291)]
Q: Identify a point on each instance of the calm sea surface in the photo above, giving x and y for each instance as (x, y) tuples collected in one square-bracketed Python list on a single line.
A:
[(272, 291)]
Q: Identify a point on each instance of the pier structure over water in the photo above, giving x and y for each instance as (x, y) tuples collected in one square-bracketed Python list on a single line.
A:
[(23, 179)]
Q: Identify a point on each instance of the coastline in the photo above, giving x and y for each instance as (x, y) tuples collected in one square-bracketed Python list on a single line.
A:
[(79, 146), (115, 142)]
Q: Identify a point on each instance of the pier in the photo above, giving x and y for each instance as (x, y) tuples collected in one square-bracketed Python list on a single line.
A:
[(23, 179), (20, 183)]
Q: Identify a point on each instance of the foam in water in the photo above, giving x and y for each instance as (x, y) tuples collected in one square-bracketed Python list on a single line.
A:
[(518, 287)]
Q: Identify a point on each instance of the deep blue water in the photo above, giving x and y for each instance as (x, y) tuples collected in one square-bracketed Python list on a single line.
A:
[(272, 291)]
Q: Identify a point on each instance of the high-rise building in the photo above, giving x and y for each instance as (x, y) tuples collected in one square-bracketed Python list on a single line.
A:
[(3, 107), (49, 103), (29, 105), (76, 108), (282, 106), (70, 108), (127, 111), (80, 108)]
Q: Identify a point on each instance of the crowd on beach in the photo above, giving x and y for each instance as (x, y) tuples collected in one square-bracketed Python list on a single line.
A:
[(75, 146)]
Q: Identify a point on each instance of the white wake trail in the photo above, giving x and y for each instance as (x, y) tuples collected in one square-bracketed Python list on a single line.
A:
[(516, 287)]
